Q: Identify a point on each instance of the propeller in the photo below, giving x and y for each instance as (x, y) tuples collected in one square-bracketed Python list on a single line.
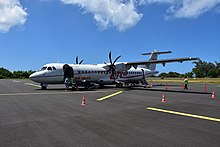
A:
[(112, 66), (77, 60)]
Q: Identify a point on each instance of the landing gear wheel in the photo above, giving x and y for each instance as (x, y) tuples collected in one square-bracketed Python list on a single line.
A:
[(101, 85), (118, 85), (43, 86)]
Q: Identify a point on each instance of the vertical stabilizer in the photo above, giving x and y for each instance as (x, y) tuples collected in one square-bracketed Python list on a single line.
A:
[(153, 56)]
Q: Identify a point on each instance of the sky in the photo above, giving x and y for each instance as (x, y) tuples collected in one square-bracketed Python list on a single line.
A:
[(36, 32)]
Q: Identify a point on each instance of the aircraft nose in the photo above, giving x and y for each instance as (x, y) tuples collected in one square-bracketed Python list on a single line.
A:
[(34, 77)]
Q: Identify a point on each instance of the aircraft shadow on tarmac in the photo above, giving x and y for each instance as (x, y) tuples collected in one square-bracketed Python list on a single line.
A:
[(128, 88), (63, 89)]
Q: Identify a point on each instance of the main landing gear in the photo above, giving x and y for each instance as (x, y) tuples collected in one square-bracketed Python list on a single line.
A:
[(118, 85)]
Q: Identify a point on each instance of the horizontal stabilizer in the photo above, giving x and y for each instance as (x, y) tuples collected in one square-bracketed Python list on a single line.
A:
[(156, 52)]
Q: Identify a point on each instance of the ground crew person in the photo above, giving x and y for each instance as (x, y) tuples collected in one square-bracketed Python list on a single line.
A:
[(73, 83), (67, 83), (186, 82)]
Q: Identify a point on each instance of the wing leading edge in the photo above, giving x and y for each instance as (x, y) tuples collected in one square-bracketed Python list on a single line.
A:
[(163, 61)]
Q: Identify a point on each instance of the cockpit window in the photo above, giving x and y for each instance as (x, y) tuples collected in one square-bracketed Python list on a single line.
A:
[(43, 68), (49, 68), (54, 68)]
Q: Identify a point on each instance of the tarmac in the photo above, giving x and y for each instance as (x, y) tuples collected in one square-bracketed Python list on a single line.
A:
[(131, 116)]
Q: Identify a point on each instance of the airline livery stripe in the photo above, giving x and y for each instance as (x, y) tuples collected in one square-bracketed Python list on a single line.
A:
[(184, 114), (108, 96), (47, 76), (134, 76)]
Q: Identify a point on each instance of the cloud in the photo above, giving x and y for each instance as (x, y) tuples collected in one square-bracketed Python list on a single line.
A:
[(121, 14), (186, 8), (11, 14)]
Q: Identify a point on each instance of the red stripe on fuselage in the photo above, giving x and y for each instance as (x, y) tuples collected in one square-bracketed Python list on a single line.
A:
[(124, 77)]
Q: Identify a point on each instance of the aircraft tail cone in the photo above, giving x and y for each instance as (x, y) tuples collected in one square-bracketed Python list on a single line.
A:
[(163, 99), (213, 95), (83, 101)]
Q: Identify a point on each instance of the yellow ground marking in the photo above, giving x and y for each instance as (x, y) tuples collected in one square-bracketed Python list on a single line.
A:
[(33, 85), (51, 93), (184, 114), (108, 96)]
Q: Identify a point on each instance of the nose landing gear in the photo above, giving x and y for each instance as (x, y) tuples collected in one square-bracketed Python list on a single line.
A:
[(43, 86)]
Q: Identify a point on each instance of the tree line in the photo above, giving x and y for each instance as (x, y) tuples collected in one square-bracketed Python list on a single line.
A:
[(5, 73), (202, 69)]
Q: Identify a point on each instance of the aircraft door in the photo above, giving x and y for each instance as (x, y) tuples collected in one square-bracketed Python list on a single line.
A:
[(68, 72)]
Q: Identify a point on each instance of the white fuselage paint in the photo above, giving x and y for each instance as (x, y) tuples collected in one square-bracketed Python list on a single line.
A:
[(89, 73)]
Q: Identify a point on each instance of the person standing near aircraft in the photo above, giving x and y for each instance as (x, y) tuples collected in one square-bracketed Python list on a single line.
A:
[(67, 83), (74, 84), (186, 82)]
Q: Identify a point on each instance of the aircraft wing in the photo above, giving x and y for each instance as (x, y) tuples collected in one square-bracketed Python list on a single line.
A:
[(163, 61)]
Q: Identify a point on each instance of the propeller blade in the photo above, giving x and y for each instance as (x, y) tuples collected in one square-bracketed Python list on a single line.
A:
[(110, 57), (116, 59), (81, 62), (77, 60)]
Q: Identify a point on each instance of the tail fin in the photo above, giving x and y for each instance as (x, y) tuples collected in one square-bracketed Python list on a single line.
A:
[(153, 56)]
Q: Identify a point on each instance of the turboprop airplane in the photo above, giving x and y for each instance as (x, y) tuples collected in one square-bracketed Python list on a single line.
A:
[(87, 75)]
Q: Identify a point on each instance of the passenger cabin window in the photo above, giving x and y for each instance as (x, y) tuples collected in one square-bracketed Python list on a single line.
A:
[(54, 68), (49, 68)]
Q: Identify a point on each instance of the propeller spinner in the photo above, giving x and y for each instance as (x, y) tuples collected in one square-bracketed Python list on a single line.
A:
[(112, 66)]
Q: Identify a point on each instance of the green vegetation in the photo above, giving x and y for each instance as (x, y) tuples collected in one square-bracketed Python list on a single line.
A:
[(202, 69), (180, 80), (4, 73)]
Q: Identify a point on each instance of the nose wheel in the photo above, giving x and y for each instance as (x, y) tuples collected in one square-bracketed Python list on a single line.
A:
[(43, 86)]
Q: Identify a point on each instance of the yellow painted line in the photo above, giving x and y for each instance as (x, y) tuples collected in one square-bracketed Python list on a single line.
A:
[(108, 96), (30, 84), (184, 114)]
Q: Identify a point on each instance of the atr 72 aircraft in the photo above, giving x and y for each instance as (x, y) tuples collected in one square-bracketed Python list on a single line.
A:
[(118, 73)]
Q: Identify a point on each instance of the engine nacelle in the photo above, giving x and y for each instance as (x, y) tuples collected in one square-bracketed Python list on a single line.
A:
[(122, 67)]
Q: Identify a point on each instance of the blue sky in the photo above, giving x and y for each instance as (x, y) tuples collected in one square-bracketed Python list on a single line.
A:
[(36, 32)]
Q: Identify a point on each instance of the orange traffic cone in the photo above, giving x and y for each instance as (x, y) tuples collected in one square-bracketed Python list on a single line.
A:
[(183, 87), (163, 99), (83, 101), (213, 95), (205, 87)]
